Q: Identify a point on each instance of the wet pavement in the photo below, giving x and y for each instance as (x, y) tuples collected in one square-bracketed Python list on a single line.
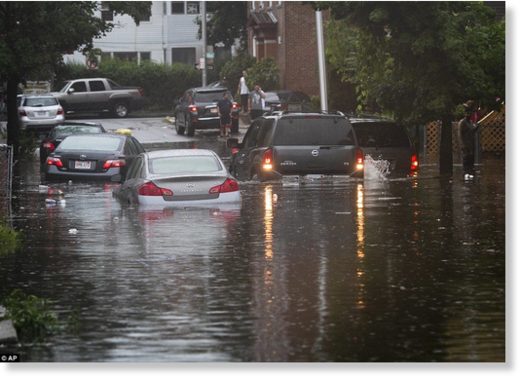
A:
[(326, 269)]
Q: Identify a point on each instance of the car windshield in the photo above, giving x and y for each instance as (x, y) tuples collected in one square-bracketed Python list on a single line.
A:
[(210, 97), (381, 134), (313, 130), (66, 130), (40, 102), (82, 143), (64, 86), (183, 165)]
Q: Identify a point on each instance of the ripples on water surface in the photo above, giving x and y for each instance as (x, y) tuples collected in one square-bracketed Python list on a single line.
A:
[(328, 269)]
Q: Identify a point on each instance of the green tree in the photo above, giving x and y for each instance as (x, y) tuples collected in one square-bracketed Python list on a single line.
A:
[(418, 60), (35, 35), (227, 22)]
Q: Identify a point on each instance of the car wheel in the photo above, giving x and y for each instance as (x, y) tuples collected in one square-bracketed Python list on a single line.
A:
[(234, 126), (190, 128), (121, 110), (178, 128)]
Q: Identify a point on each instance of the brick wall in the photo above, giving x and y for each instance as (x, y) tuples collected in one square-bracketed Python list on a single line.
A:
[(301, 56)]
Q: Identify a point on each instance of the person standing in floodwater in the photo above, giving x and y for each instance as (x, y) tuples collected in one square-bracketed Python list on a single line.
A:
[(467, 132)]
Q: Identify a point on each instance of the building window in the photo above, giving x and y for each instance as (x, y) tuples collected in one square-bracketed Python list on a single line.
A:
[(192, 7), (130, 56), (106, 13), (177, 7), (145, 56), (184, 55)]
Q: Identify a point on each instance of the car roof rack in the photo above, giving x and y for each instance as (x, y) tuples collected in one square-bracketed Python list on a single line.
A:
[(286, 112)]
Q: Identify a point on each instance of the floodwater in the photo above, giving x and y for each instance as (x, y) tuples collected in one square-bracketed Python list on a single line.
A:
[(327, 269)]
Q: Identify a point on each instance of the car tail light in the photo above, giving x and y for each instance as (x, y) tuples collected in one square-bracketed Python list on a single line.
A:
[(193, 108), (60, 111), (414, 162), (230, 185), (359, 160), (267, 160), (112, 163), (234, 150), (52, 161), (48, 145), (235, 106), (151, 189), (22, 113), (141, 91)]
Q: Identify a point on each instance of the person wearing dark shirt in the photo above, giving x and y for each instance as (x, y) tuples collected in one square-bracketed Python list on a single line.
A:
[(467, 132), (224, 111)]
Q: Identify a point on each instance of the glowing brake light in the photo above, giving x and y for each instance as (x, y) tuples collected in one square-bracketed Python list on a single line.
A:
[(414, 162), (267, 160), (229, 185), (234, 106), (151, 189), (359, 160), (193, 108), (52, 161), (49, 146), (111, 163)]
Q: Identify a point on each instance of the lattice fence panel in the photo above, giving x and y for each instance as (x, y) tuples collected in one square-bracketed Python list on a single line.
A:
[(492, 136)]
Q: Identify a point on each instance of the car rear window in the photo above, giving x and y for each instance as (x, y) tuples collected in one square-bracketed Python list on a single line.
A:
[(81, 143), (62, 131), (183, 165), (210, 97), (313, 130), (40, 102), (381, 134)]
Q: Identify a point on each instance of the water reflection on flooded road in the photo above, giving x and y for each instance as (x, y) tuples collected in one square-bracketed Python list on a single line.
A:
[(328, 269)]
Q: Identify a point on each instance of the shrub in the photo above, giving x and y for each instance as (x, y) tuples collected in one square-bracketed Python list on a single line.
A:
[(31, 316), (9, 239), (265, 73)]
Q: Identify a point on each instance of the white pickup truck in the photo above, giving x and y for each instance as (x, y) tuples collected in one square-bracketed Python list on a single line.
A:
[(99, 95)]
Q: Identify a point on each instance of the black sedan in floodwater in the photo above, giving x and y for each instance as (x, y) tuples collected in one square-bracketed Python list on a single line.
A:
[(97, 156), (59, 132)]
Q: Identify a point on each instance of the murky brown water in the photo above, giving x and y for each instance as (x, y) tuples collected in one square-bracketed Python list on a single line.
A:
[(325, 270)]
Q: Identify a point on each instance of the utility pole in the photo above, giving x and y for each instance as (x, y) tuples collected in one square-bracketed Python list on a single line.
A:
[(204, 45), (321, 62)]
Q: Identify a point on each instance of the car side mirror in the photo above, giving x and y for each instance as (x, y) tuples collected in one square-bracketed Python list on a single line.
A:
[(70, 91)]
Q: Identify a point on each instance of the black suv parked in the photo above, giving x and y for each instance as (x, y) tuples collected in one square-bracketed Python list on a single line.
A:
[(197, 109), (296, 144), (386, 140)]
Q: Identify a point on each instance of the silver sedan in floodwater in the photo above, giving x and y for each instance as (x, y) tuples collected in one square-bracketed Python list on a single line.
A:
[(178, 178)]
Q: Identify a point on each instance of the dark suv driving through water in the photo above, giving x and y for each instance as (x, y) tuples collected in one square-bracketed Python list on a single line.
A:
[(296, 144), (386, 140)]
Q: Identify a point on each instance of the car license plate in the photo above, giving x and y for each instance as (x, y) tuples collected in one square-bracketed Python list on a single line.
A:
[(82, 165), (213, 110), (41, 113)]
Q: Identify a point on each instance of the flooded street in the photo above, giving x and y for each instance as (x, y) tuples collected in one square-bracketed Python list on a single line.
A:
[(327, 269)]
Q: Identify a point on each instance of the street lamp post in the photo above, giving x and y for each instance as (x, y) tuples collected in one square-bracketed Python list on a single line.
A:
[(321, 61), (204, 45)]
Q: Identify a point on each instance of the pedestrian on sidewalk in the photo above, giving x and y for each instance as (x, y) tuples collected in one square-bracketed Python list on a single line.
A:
[(256, 102), (467, 132), (244, 92), (224, 106)]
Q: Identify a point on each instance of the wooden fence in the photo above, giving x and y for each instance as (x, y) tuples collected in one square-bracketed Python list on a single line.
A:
[(492, 137)]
